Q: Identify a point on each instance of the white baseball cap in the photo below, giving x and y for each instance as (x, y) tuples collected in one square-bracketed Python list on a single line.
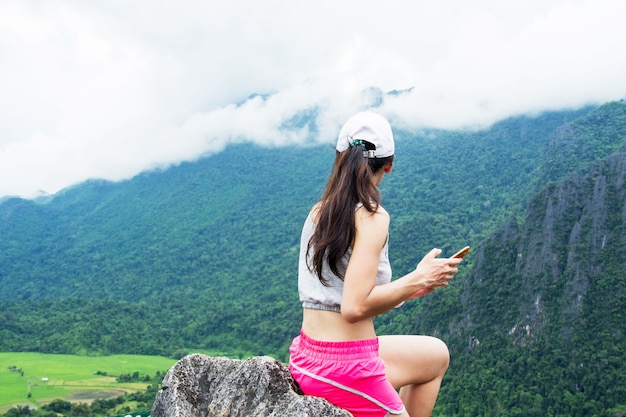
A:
[(371, 127)]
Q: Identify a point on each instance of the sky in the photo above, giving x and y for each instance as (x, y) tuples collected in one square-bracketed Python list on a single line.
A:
[(109, 88)]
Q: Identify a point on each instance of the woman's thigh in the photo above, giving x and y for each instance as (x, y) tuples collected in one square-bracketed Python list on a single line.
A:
[(413, 359)]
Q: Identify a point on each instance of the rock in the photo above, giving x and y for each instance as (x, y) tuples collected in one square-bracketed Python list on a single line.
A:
[(199, 385)]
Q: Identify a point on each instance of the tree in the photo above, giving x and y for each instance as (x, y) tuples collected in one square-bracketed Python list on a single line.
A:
[(58, 406)]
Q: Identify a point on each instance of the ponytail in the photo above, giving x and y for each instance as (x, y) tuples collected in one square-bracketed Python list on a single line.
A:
[(352, 181)]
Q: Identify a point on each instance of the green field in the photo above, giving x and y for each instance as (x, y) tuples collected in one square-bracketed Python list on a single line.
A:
[(70, 377)]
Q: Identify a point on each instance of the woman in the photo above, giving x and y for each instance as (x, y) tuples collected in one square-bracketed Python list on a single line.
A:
[(344, 281)]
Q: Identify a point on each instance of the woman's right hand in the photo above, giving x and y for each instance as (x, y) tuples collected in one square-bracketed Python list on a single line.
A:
[(432, 272), (420, 293)]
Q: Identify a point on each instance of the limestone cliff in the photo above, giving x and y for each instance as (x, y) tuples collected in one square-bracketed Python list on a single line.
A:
[(568, 258)]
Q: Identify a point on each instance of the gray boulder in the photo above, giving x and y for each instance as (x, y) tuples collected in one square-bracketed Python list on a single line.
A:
[(199, 385)]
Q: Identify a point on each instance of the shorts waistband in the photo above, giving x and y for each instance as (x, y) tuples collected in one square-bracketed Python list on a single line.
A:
[(338, 351)]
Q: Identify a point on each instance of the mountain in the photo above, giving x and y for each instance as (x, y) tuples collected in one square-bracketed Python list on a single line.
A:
[(548, 294), (575, 146), (538, 324), (203, 255)]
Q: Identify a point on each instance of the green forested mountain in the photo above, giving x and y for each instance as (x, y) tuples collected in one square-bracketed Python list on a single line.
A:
[(575, 146), (540, 324), (204, 256)]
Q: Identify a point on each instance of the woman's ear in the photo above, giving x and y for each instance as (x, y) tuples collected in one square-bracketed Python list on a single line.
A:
[(388, 167)]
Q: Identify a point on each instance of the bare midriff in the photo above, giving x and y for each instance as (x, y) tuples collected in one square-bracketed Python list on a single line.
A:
[(329, 326)]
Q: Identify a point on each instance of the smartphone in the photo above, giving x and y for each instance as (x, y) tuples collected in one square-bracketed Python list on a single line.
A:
[(462, 253)]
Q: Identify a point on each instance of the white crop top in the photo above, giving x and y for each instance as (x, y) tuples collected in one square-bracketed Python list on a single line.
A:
[(315, 295)]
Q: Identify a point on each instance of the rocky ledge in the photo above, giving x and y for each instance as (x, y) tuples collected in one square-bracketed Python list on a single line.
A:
[(203, 386)]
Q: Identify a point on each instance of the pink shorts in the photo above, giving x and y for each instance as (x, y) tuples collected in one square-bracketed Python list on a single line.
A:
[(349, 375)]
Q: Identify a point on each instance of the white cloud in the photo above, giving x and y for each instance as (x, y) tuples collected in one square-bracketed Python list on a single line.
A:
[(106, 89)]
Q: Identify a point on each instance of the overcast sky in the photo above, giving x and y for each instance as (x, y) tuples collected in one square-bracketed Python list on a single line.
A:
[(106, 89)]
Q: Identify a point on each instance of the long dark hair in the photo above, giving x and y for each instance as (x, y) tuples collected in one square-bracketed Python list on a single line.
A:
[(351, 182)]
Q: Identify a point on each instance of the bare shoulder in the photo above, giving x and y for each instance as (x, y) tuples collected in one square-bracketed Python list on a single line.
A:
[(378, 220), (381, 209)]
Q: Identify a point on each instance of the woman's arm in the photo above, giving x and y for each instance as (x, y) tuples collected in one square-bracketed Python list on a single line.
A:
[(362, 298)]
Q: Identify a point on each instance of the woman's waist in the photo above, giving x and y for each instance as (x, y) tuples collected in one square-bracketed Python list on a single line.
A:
[(330, 326), (306, 348)]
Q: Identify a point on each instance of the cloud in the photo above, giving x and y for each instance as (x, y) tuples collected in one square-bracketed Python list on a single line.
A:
[(106, 89)]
